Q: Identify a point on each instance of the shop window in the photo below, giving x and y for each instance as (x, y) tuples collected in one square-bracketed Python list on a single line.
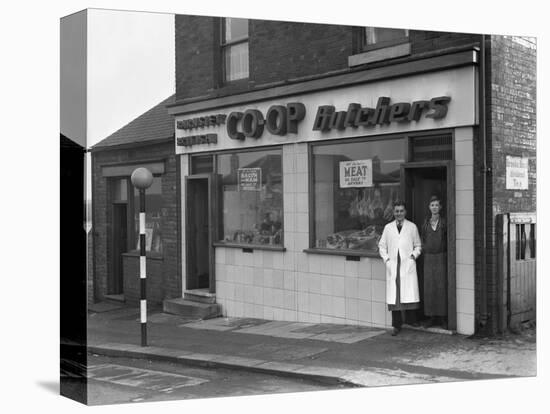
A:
[(355, 185), (251, 197), (235, 48), (153, 214), (378, 37)]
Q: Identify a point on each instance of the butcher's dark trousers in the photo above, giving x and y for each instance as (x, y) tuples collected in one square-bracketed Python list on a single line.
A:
[(399, 317)]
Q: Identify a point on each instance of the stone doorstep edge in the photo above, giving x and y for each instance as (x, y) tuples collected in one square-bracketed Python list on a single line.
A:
[(318, 374)]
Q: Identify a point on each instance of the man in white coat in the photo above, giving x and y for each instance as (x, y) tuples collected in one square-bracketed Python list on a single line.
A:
[(399, 247)]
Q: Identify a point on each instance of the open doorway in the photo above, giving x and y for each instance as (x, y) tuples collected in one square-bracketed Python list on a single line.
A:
[(421, 182), (119, 237), (120, 241), (199, 227)]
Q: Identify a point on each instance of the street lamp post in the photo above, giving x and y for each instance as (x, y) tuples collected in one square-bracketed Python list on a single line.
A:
[(142, 179)]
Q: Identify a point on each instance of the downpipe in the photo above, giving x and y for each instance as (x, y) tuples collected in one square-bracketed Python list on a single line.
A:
[(485, 170)]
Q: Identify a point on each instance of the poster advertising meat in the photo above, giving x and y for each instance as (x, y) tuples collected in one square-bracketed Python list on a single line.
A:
[(356, 173), (250, 179)]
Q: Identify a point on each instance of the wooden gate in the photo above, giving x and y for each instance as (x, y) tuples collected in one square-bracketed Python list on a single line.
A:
[(516, 238)]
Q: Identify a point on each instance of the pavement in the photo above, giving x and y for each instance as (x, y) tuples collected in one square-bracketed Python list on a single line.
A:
[(335, 354)]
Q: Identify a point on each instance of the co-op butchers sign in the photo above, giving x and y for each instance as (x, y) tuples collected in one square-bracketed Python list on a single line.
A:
[(282, 120)]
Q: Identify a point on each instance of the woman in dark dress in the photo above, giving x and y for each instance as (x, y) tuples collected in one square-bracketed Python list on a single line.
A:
[(434, 249)]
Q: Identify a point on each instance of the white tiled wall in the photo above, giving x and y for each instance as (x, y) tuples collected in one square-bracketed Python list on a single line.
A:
[(298, 286), (306, 287), (464, 185)]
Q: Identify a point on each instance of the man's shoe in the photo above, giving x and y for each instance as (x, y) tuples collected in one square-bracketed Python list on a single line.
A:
[(395, 331)]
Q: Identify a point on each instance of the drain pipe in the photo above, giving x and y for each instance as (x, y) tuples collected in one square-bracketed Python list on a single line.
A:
[(484, 172)]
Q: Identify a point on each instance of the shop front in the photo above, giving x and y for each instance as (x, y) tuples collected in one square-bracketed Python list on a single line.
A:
[(285, 192)]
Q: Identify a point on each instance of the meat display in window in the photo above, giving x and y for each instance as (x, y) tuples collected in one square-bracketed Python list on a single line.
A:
[(366, 239)]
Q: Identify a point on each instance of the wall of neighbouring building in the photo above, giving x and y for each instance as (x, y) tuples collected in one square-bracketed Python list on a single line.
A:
[(163, 280), (511, 130)]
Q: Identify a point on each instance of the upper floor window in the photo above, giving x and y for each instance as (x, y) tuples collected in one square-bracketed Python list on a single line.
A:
[(235, 48), (378, 37)]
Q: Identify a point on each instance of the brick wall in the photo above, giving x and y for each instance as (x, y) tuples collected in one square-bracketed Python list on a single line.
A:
[(287, 50), (195, 54), (165, 273), (511, 130), (156, 290), (426, 41), (278, 52), (513, 118)]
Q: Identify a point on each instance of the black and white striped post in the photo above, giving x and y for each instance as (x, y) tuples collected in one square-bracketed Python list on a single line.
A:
[(142, 179)]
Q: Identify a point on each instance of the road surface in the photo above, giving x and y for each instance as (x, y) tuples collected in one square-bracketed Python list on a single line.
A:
[(124, 380)]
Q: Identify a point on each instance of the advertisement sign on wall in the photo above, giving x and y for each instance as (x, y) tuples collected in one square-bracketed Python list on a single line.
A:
[(356, 173), (250, 179), (517, 173)]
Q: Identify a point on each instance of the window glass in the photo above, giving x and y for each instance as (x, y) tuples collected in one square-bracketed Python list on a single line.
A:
[(236, 61), (235, 49), (252, 197), (235, 28), (355, 185), (374, 35), (153, 214)]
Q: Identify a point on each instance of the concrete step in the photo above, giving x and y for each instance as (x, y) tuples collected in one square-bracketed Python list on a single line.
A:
[(190, 309), (200, 295), (115, 299)]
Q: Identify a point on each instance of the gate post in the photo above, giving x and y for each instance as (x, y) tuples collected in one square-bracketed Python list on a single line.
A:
[(503, 270)]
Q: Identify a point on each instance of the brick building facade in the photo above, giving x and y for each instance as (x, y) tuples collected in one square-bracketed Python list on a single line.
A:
[(253, 209), (146, 141), (279, 53), (296, 62)]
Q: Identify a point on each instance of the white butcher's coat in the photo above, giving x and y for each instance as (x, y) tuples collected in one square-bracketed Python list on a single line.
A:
[(407, 242)]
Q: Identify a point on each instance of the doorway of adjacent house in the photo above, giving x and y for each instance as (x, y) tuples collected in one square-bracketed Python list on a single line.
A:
[(120, 242), (421, 182), (199, 227)]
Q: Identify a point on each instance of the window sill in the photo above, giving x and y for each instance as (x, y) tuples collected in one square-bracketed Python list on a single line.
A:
[(149, 255), (250, 246), (376, 55), (341, 252)]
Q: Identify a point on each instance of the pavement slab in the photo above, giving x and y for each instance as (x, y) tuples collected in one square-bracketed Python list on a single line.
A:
[(269, 328), (224, 324), (291, 330)]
